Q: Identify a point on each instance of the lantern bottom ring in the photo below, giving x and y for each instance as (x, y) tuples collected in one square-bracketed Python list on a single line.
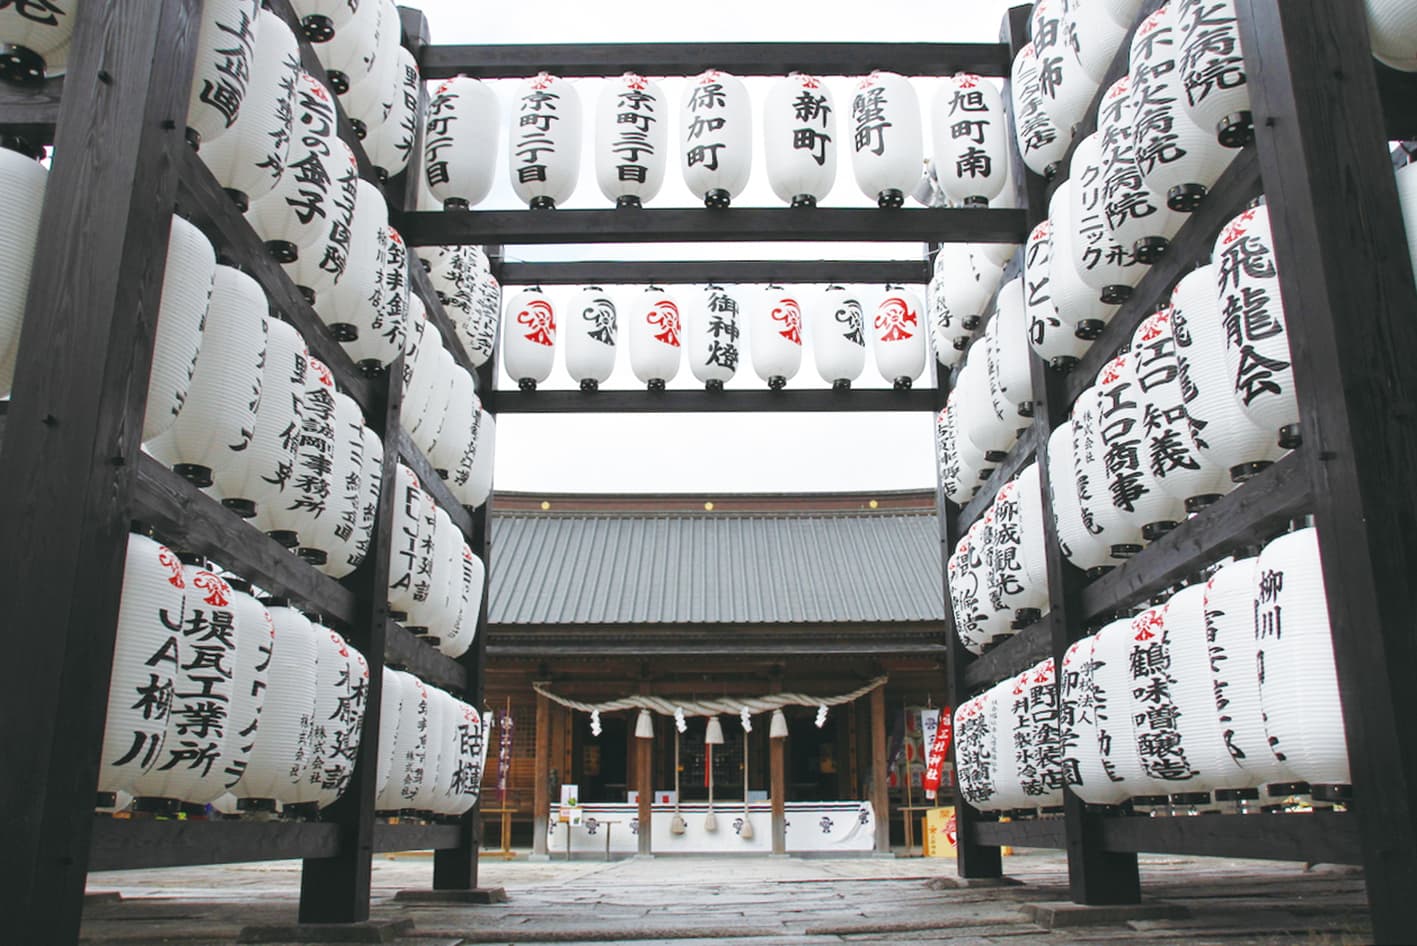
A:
[(370, 367), (1125, 549), (970, 322), (339, 81), (239, 198), (890, 199), (105, 799), (628, 200), (1236, 794), (318, 28), (1150, 249), (256, 805), (589, 385), (1289, 437), (804, 200), (1097, 571), (1051, 170), (1063, 363), (455, 203), (344, 332), (1236, 130), (841, 384), (1247, 471), (975, 201), (282, 251), (285, 537), (193, 138), (1155, 530), (777, 382), (1140, 802), (1281, 790), (1338, 794), (1195, 504), (312, 556), (1116, 295), (1186, 198), (713, 384), (542, 203), (194, 473), (1188, 799), (718, 198), (996, 456), (960, 344), (21, 64), (1023, 617), (655, 384), (902, 383), (526, 384), (155, 806), (245, 508), (441, 471), (361, 130)]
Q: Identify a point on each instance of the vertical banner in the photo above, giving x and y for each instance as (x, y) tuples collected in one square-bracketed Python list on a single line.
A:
[(939, 751), (504, 755)]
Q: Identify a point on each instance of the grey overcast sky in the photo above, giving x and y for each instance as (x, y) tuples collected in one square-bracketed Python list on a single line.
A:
[(712, 453)]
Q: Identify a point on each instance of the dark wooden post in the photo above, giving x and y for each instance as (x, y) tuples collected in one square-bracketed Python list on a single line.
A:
[(644, 784), (72, 438), (777, 761), (1348, 301), (541, 780), (880, 795)]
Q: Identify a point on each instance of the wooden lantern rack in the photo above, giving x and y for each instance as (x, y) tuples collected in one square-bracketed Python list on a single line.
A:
[(73, 478)]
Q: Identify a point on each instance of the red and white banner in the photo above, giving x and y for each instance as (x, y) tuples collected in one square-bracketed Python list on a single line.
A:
[(939, 752)]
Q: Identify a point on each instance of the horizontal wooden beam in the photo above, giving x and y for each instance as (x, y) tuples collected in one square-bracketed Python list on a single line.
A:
[(138, 844), (681, 272), (1015, 655), (433, 483), (688, 59), (702, 225), (202, 201), (405, 652), (1315, 837), (788, 400), (1248, 516), (188, 519), (1237, 187)]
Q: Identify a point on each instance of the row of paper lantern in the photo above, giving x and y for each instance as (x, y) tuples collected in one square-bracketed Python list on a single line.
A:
[(997, 573), (469, 294), (963, 286), (991, 401), (1228, 686), (631, 140), (710, 330), (1203, 399), (432, 749)]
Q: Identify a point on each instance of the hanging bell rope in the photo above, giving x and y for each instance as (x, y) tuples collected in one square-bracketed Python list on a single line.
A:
[(759, 704)]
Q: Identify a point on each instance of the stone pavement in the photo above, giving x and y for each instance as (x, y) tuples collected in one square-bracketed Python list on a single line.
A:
[(683, 901)]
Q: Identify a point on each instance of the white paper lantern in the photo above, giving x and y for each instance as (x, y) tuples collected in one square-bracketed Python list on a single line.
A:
[(1392, 30), (1126, 423), (948, 338), (262, 472), (479, 330), (590, 328), (1096, 438), (251, 673), (1040, 759), (22, 183), (1084, 771), (1299, 691), (349, 54), (1010, 586), (479, 483), (887, 140), (410, 747), (1252, 314), (390, 714), (371, 482), (1089, 28), (473, 577), (318, 268), (428, 595), (1101, 262), (1137, 217), (320, 20), (961, 464), (338, 526), (1040, 143), (217, 422), (544, 146), (631, 139), (408, 500), (1051, 339), (1077, 542), (1177, 467), (288, 720), (1115, 680), (970, 134), (1033, 547), (349, 305), (1161, 746), (1230, 630), (1080, 306), (1010, 746), (963, 290), (366, 101), (383, 319), (529, 344), (187, 285), (390, 143), (1178, 159), (839, 336), (468, 749), (146, 661), (222, 72), (294, 216), (1065, 85), (1193, 694), (775, 335), (1123, 12), (441, 753), (966, 588), (421, 355), (450, 451), (979, 421), (439, 372), (975, 764), (712, 337), (1407, 198), (1009, 361), (654, 326), (341, 692), (716, 144), (249, 159), (35, 39), (994, 620), (200, 738), (898, 337), (460, 142), (453, 275), (1212, 69), (290, 513), (799, 139), (1220, 429)]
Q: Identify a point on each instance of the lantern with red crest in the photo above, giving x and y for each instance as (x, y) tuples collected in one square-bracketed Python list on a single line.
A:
[(384, 319), (391, 705), (460, 142), (799, 139), (479, 482), (898, 337), (1212, 70), (409, 749), (1138, 218), (631, 139), (839, 337), (336, 529), (544, 146), (1256, 336), (654, 326), (529, 343), (970, 132), (716, 149), (887, 141), (1093, 441), (975, 763), (712, 337), (775, 335), (1115, 678), (340, 697), (590, 328), (222, 72)]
